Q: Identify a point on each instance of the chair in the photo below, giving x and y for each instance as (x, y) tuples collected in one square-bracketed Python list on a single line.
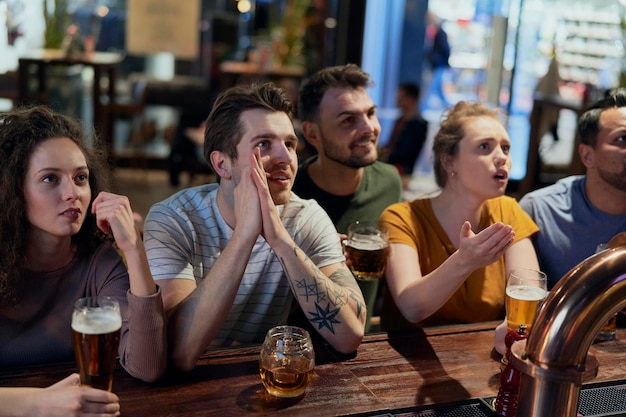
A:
[(8, 86), (131, 110), (534, 164)]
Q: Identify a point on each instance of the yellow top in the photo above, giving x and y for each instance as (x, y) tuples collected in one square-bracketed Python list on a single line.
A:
[(481, 297)]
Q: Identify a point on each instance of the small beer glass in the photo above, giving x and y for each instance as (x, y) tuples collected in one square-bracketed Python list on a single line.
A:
[(525, 289), (96, 326), (367, 247), (607, 332), (286, 361)]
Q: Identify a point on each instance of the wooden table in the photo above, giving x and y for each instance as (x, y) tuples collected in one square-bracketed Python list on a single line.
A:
[(103, 64), (445, 364)]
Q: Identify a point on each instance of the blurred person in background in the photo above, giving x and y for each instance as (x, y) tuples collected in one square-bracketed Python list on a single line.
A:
[(437, 51), (409, 131)]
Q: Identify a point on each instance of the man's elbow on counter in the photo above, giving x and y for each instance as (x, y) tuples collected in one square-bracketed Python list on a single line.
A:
[(347, 349), (349, 345)]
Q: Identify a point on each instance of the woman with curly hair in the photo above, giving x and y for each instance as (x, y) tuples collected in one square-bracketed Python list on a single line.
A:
[(58, 228)]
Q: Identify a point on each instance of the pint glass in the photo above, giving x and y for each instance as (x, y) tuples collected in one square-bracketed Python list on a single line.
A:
[(286, 361), (525, 289), (96, 326), (366, 248)]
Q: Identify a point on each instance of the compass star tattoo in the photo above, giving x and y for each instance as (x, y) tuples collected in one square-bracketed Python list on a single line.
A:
[(325, 317)]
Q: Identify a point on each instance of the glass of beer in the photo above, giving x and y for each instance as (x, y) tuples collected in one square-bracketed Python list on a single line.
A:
[(96, 326), (525, 289), (286, 361), (366, 247), (607, 332)]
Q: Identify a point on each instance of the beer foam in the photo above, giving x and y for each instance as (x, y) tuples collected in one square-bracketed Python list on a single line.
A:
[(96, 322), (367, 243), (526, 292)]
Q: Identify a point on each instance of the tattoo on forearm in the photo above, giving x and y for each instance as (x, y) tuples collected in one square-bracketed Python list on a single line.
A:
[(324, 317), (314, 288), (309, 290), (360, 306)]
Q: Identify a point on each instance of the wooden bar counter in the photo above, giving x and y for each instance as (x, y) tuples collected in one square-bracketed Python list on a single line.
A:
[(430, 366)]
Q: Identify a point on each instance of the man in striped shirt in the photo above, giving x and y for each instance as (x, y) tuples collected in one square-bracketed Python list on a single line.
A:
[(232, 257)]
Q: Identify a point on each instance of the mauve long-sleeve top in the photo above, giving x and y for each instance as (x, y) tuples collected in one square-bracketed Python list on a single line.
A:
[(37, 331)]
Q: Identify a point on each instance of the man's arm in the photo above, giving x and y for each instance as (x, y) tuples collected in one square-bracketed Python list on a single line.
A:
[(197, 313), (329, 296)]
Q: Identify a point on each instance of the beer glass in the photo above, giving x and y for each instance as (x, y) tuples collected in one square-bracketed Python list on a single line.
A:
[(96, 326), (286, 361), (607, 332), (525, 289), (366, 248)]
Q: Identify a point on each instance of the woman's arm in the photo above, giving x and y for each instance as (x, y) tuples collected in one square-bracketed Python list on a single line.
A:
[(419, 296), (63, 399), (145, 350)]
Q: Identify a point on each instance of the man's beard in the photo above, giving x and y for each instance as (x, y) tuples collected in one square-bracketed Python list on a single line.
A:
[(353, 161), (616, 180)]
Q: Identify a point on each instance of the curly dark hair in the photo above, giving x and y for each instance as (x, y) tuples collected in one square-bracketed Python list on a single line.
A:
[(21, 132)]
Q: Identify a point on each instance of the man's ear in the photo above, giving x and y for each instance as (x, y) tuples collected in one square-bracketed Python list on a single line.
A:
[(586, 154), (311, 133), (220, 164)]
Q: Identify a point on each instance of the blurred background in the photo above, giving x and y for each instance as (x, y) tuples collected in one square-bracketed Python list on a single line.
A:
[(168, 59)]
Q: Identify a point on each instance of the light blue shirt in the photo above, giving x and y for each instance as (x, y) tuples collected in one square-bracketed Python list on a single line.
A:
[(570, 227)]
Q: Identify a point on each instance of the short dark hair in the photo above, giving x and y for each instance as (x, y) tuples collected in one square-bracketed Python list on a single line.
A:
[(349, 76), (410, 89), (21, 131), (223, 125), (589, 121)]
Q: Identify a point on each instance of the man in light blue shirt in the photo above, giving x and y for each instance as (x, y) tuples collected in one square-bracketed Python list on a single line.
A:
[(578, 213)]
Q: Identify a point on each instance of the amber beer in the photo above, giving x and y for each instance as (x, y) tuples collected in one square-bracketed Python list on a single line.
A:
[(95, 337), (288, 381), (366, 251), (607, 332), (286, 361), (521, 304)]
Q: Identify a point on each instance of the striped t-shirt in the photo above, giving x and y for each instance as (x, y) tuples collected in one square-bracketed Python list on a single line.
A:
[(185, 234)]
